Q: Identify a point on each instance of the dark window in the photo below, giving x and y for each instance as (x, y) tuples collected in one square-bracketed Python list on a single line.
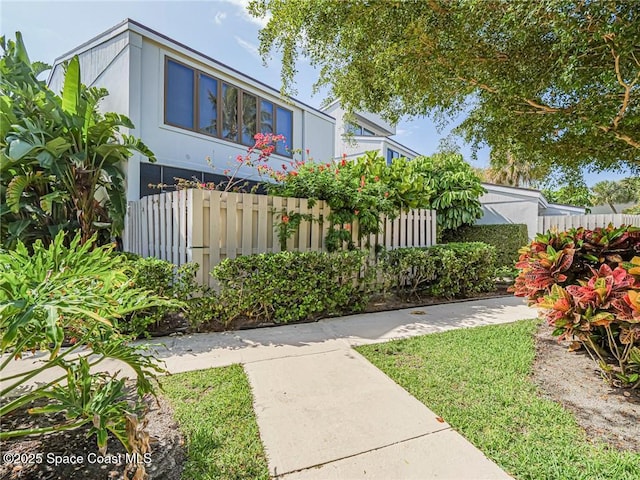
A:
[(149, 175), (266, 117), (284, 126), (353, 129), (368, 133), (158, 174), (229, 112), (169, 175), (205, 104), (391, 154), (249, 118), (208, 105), (179, 95)]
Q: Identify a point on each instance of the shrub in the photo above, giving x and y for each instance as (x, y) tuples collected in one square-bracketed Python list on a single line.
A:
[(290, 286), (507, 239), (587, 285), (449, 270), (168, 280), (73, 294)]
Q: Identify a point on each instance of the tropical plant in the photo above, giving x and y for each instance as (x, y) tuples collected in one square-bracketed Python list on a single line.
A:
[(60, 158), (367, 188), (456, 189), (587, 283), (64, 302)]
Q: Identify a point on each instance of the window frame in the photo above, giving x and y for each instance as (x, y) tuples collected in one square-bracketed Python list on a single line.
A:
[(196, 73)]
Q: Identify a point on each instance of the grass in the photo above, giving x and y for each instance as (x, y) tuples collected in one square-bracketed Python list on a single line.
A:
[(214, 409), (478, 380)]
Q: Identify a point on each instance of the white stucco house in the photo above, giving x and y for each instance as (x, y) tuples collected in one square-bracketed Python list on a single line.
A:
[(191, 110), (365, 132), (188, 107)]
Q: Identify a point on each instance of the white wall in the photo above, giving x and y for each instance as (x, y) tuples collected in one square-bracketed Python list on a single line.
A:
[(103, 65), (554, 209), (318, 136), (505, 207)]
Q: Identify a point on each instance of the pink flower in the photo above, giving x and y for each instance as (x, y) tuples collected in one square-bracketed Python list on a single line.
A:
[(285, 219)]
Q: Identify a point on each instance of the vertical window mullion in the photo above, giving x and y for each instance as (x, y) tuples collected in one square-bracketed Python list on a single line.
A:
[(240, 114), (196, 100)]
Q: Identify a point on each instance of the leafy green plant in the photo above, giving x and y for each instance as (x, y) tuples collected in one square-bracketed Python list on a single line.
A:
[(507, 239), (289, 224), (291, 286), (73, 295), (366, 189), (60, 157), (457, 189), (168, 280), (587, 284), (449, 270)]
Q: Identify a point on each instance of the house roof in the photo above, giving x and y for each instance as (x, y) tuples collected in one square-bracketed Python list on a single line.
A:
[(143, 30)]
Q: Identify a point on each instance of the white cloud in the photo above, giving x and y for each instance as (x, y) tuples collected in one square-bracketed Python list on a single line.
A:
[(248, 46), (244, 13), (219, 17)]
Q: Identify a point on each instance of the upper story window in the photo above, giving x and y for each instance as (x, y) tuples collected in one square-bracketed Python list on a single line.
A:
[(355, 129), (391, 154), (284, 125), (179, 108), (199, 102)]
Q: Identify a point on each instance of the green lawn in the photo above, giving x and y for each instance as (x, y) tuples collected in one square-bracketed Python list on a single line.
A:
[(215, 411), (478, 380)]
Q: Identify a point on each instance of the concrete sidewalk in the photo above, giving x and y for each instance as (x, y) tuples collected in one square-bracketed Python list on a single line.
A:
[(324, 412)]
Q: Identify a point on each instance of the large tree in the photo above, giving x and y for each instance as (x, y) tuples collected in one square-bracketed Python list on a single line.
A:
[(559, 78)]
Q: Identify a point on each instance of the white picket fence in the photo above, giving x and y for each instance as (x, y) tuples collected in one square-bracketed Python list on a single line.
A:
[(208, 226), (566, 222)]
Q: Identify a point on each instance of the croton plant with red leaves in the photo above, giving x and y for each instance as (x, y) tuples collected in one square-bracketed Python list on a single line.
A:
[(586, 284)]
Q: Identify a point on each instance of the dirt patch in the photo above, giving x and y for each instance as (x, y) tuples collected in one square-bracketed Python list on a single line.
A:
[(573, 380), (36, 457)]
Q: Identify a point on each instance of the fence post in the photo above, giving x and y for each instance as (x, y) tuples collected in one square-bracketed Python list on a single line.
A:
[(195, 234)]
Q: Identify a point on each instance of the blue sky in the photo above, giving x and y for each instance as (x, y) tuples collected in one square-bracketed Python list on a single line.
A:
[(221, 29)]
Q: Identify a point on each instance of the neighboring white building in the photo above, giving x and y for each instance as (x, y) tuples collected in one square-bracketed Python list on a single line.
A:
[(502, 204), (365, 132), (188, 107)]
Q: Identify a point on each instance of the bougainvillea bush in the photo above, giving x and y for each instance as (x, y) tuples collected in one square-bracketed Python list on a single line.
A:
[(587, 285)]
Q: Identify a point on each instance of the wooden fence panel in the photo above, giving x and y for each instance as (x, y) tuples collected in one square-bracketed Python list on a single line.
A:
[(209, 226)]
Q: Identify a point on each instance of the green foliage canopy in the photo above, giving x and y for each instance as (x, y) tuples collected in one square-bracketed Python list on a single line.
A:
[(559, 78)]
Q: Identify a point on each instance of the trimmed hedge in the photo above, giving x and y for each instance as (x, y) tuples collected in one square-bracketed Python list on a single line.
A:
[(507, 238), (288, 287), (448, 270)]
